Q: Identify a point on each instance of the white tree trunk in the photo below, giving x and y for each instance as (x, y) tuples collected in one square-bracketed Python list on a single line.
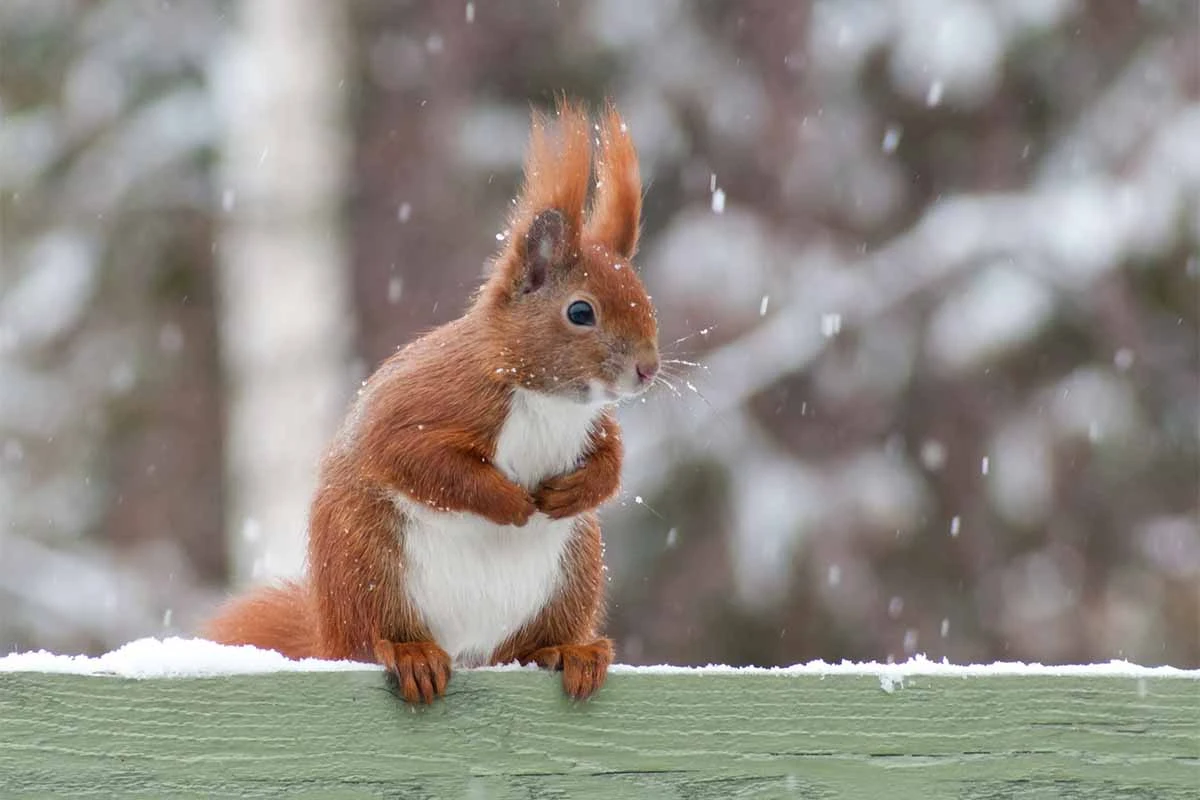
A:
[(284, 287)]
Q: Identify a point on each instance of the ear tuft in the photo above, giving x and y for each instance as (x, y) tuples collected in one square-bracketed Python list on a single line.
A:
[(616, 212), (547, 223)]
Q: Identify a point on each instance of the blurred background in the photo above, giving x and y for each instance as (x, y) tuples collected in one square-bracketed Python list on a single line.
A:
[(936, 262)]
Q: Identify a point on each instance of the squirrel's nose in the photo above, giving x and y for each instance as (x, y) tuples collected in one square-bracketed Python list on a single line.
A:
[(646, 370)]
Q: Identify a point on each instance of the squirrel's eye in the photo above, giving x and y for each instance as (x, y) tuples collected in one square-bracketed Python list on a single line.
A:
[(581, 313)]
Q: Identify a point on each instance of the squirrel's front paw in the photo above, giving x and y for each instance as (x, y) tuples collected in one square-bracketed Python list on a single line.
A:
[(584, 666), (515, 508), (565, 495), (421, 668)]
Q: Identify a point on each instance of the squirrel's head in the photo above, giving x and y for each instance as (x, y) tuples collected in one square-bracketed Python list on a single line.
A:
[(573, 317)]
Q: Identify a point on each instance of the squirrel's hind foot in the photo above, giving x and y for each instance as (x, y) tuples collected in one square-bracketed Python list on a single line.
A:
[(584, 666), (421, 669)]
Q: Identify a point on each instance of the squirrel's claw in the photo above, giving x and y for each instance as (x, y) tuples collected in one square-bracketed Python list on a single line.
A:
[(584, 666), (422, 669)]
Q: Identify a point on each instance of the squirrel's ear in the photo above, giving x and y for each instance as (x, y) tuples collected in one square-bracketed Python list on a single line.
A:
[(547, 219), (545, 248)]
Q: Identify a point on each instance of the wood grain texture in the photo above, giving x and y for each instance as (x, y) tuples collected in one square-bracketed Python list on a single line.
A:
[(513, 735)]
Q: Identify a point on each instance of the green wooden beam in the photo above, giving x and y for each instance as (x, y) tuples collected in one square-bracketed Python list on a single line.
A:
[(513, 735)]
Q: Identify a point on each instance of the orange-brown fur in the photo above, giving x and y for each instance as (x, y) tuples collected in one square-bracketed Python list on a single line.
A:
[(426, 425), (278, 618)]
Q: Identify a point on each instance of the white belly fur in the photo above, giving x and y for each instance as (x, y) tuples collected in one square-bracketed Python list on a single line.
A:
[(475, 582)]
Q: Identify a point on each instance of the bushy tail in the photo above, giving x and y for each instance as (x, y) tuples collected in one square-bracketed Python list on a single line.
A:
[(280, 618)]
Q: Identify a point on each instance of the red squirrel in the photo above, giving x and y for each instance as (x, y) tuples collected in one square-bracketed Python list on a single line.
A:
[(455, 520)]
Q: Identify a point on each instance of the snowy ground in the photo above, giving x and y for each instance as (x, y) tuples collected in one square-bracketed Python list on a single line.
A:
[(176, 657)]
